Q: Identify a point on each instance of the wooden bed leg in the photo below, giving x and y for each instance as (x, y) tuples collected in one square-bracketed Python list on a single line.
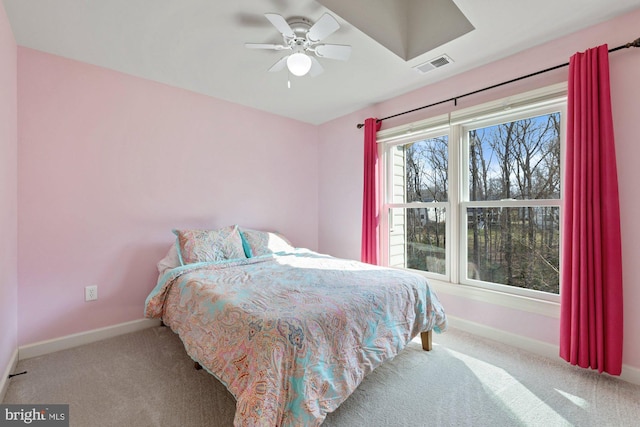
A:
[(426, 340), (197, 366)]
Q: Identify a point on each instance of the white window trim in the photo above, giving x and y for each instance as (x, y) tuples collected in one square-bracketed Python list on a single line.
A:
[(425, 129), (540, 100)]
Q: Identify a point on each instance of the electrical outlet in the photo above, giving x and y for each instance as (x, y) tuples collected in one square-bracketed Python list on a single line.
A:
[(91, 293)]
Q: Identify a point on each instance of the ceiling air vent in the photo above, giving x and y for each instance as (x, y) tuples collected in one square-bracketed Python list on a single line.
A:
[(438, 62)]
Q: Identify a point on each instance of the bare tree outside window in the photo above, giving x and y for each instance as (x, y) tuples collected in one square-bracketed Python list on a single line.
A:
[(519, 160), (425, 181)]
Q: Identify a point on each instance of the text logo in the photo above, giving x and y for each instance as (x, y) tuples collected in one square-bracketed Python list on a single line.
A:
[(34, 415)]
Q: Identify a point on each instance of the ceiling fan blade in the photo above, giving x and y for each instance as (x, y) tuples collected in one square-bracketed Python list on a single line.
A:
[(266, 46), (326, 25), (279, 65), (333, 51), (281, 24), (316, 68)]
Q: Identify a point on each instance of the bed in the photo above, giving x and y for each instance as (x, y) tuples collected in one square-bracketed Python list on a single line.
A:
[(290, 332)]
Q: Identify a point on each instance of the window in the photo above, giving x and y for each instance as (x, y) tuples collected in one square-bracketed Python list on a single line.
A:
[(474, 197), (418, 204)]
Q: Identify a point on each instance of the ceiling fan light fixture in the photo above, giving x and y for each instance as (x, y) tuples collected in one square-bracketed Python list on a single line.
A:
[(298, 64), (301, 36)]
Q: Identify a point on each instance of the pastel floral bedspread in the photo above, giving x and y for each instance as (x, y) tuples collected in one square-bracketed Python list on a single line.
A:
[(292, 335)]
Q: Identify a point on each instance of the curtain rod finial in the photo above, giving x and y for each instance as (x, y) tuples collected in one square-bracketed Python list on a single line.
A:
[(635, 43), (360, 125)]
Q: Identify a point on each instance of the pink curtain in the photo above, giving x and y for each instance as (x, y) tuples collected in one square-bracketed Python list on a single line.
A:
[(591, 320), (370, 211)]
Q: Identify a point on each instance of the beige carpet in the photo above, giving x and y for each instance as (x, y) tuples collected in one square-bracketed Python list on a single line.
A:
[(146, 379)]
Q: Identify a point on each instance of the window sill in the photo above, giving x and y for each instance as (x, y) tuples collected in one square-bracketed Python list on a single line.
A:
[(516, 302)]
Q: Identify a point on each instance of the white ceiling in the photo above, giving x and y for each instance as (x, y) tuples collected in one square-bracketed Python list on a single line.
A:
[(198, 45)]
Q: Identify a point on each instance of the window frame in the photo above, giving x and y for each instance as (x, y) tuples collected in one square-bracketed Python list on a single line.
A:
[(456, 126), (435, 131)]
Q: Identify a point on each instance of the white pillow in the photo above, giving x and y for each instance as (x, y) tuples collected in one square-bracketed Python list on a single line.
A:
[(170, 261)]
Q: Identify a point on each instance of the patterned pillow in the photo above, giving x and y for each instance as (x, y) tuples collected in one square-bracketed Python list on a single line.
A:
[(258, 243), (209, 245)]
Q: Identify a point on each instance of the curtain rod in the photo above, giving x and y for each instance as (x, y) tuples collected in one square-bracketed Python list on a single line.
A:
[(635, 43)]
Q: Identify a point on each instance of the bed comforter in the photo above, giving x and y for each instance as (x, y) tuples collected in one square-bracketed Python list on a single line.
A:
[(292, 335)]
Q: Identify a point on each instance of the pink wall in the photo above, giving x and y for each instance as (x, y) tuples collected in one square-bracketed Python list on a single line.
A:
[(341, 163), (8, 193), (108, 164)]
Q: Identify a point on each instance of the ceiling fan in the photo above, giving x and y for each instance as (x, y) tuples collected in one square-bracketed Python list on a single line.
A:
[(302, 37)]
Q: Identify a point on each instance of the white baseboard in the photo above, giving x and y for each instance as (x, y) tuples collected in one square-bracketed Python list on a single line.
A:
[(629, 374), (519, 341), (4, 381), (49, 346)]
